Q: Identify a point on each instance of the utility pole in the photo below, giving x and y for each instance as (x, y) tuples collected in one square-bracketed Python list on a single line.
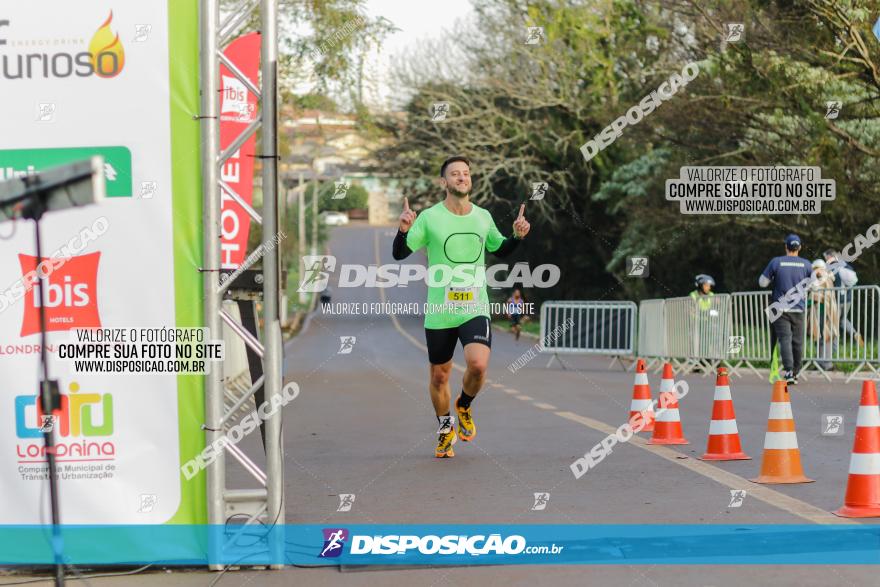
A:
[(272, 363), (301, 233), (315, 217)]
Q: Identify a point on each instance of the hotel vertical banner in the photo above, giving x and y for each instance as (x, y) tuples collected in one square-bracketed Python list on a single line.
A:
[(117, 79), (238, 109)]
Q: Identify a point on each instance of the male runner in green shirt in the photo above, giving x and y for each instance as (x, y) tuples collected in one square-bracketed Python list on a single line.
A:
[(456, 233)]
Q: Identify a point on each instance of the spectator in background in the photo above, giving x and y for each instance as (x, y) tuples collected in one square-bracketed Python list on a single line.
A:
[(706, 328), (703, 292), (784, 273), (326, 295), (846, 278), (822, 314), (515, 311)]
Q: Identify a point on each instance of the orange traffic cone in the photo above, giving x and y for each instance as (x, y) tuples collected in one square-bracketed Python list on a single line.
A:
[(782, 457), (641, 400), (863, 489), (667, 427), (723, 435)]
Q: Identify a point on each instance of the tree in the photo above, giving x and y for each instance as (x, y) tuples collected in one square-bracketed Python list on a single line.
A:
[(322, 43), (356, 196), (328, 55), (760, 102), (523, 111), (311, 101)]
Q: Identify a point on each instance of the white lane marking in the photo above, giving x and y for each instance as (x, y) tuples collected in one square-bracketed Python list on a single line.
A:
[(789, 504)]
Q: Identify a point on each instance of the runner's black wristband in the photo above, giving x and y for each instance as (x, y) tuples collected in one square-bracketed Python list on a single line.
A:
[(508, 245), (400, 250)]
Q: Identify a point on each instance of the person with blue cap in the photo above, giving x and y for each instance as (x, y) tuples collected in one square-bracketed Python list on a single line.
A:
[(785, 273)]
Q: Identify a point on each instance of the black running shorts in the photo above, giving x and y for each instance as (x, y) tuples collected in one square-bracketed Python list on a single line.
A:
[(441, 341)]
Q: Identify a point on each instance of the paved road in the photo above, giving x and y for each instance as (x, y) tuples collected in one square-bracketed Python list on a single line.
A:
[(363, 424)]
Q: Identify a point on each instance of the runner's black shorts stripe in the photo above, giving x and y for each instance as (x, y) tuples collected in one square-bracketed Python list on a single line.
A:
[(441, 341)]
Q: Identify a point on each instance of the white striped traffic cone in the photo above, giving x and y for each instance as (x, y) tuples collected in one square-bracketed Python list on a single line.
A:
[(863, 487), (667, 429), (723, 442), (782, 457), (641, 400)]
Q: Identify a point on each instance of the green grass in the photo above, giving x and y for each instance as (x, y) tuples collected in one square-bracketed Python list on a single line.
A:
[(293, 304), (753, 345), (869, 350), (531, 326)]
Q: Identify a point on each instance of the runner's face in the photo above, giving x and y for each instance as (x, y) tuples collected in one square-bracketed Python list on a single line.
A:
[(457, 179)]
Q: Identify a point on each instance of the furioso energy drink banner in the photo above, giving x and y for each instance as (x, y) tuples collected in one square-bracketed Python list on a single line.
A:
[(116, 79), (238, 109)]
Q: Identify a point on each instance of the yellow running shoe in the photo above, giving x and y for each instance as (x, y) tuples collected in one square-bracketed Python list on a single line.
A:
[(444, 445), (467, 430)]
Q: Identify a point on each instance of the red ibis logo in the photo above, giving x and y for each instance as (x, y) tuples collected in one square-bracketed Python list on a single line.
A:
[(71, 293)]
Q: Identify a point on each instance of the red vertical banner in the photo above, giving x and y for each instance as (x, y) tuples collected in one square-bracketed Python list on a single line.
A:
[(238, 109)]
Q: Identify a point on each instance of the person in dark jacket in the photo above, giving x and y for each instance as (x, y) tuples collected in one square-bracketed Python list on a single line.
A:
[(784, 274)]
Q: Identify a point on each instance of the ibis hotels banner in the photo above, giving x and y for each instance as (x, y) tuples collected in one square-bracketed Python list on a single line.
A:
[(238, 109), (118, 79)]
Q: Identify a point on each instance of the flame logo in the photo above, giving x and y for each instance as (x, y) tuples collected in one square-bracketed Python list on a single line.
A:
[(108, 56)]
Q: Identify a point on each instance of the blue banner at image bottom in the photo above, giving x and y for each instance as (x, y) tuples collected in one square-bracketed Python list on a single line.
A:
[(465, 544)]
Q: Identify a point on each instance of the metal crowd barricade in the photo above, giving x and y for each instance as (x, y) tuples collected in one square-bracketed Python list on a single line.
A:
[(750, 332), (840, 326), (679, 330), (652, 331), (712, 331), (697, 332), (588, 328)]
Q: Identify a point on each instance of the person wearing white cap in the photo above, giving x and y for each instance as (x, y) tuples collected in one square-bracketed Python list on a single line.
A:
[(845, 278), (822, 314)]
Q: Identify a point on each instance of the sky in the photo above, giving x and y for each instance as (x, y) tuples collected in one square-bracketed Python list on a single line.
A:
[(419, 20)]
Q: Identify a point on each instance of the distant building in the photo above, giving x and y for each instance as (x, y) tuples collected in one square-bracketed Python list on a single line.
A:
[(326, 146)]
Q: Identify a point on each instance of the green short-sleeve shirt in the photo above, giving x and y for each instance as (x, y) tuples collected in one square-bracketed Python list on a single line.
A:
[(456, 248)]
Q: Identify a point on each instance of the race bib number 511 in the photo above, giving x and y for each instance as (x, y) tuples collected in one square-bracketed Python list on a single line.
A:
[(461, 295)]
